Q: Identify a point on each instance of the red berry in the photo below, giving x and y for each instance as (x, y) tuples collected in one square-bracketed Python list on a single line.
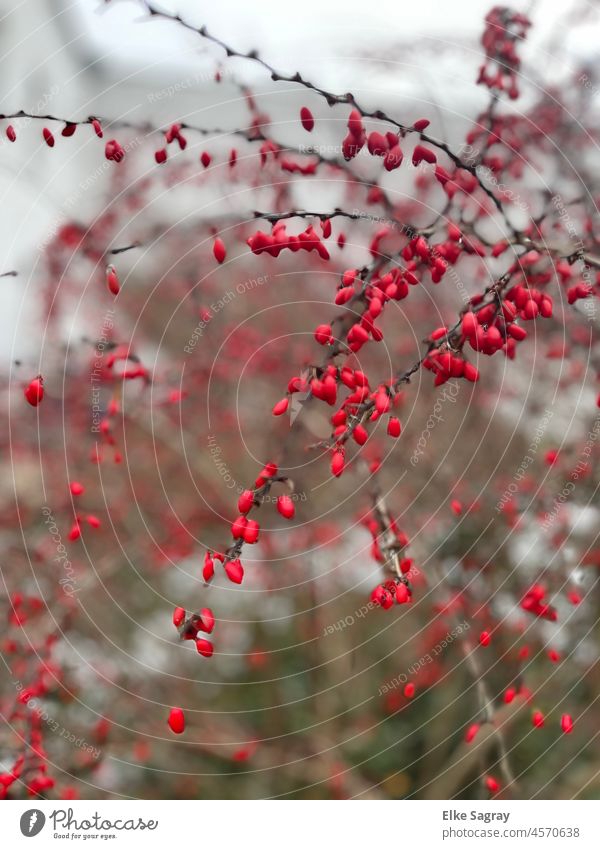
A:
[(114, 151), (219, 251), (280, 407), (306, 116), (245, 501), (204, 647), (492, 784), (208, 569), (176, 721), (566, 723), (337, 463), (34, 392), (112, 281), (285, 505), (238, 527), (456, 506), (471, 732), (251, 532), (402, 594), (207, 620), (234, 571), (394, 427), (323, 334)]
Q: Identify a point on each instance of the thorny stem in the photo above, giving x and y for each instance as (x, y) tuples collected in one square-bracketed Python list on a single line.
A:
[(331, 98)]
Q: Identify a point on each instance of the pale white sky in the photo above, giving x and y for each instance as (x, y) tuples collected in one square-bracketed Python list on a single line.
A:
[(290, 32)]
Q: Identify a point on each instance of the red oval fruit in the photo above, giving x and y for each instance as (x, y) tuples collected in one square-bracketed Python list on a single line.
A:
[(285, 505), (204, 647), (176, 721), (112, 280), (306, 116), (219, 251), (34, 392)]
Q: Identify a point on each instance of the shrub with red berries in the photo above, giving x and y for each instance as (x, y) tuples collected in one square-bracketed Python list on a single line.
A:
[(301, 463)]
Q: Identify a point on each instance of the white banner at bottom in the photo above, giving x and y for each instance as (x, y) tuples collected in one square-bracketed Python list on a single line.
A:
[(265, 824)]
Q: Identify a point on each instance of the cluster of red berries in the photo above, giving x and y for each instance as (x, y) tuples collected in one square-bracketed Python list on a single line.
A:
[(534, 602), (279, 239), (390, 591), (504, 28), (190, 627)]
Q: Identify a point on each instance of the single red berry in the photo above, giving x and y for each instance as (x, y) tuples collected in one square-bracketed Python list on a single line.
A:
[(76, 488), (208, 569), (492, 784), (234, 571), (337, 463), (34, 392), (306, 116), (114, 151), (48, 137), (204, 648), (176, 720), (207, 620), (566, 723), (402, 594), (238, 527), (406, 565), (323, 334), (471, 732), (456, 506), (537, 719), (280, 407), (554, 655), (178, 616), (394, 427), (360, 434), (112, 280), (245, 501), (485, 638), (219, 251), (251, 532), (409, 690), (285, 505)]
